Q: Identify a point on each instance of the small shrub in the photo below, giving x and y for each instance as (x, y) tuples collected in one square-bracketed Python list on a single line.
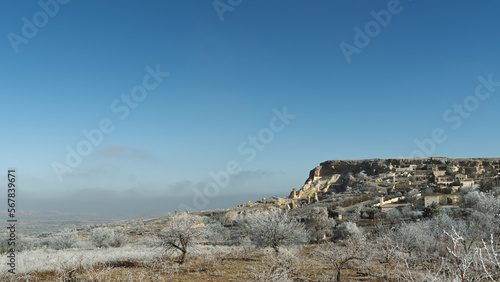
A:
[(63, 240), (105, 237)]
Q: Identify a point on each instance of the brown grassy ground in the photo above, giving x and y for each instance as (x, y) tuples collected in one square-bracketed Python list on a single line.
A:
[(224, 268)]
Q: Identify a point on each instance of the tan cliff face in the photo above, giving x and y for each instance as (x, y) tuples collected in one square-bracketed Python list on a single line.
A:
[(365, 179), (327, 168), (336, 175)]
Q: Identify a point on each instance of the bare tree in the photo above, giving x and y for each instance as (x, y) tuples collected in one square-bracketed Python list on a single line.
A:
[(344, 255), (386, 253), (319, 224), (181, 233), (274, 229)]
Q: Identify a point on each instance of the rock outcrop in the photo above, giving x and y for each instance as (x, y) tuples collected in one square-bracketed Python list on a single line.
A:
[(338, 175)]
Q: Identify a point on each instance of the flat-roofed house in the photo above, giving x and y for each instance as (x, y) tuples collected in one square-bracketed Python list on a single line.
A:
[(444, 200), (460, 177), (445, 180), (467, 183)]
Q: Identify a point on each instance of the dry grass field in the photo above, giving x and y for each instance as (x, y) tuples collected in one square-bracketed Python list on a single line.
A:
[(254, 265)]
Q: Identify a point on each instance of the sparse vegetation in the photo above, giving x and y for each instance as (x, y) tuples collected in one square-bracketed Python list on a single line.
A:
[(343, 237)]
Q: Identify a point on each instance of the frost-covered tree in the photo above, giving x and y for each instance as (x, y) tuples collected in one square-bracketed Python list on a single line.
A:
[(181, 233), (461, 261), (356, 214), (386, 252), (489, 257), (482, 202), (438, 224), (495, 191), (215, 231), (348, 229), (104, 237), (63, 240), (288, 265), (274, 229), (411, 196), (478, 220), (393, 215), (408, 212), (476, 227), (345, 255), (412, 238), (319, 224)]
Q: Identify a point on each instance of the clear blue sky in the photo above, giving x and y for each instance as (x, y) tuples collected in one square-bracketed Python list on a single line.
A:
[(225, 79)]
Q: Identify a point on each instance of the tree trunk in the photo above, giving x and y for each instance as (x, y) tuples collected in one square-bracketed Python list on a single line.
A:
[(276, 249), (385, 271), (338, 274), (183, 256)]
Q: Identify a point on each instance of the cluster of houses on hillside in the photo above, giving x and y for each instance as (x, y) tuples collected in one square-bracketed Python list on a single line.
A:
[(438, 179), (449, 178), (443, 176)]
